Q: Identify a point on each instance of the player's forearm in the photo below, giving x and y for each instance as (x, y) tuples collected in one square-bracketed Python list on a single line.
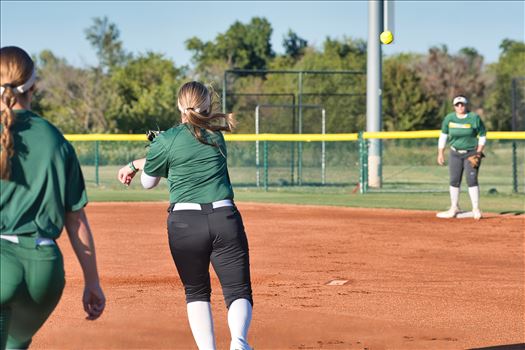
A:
[(481, 143), (81, 239), (442, 141), (139, 163), (148, 182)]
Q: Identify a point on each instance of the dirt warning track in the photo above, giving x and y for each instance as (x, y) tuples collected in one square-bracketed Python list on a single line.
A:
[(323, 278)]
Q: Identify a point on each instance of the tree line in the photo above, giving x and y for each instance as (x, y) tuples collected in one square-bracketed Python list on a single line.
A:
[(132, 92)]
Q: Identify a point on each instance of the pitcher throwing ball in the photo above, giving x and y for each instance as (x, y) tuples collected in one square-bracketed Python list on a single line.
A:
[(462, 128), (204, 224)]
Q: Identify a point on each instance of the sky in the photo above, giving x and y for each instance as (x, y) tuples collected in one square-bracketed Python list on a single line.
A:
[(164, 26)]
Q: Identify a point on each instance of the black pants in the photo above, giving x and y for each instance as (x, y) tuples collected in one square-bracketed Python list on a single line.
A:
[(457, 163), (199, 236)]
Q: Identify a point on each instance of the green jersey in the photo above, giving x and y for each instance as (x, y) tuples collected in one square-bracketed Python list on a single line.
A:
[(463, 132), (196, 172), (46, 180)]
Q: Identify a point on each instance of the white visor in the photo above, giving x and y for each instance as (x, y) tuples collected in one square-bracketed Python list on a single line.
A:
[(460, 99), (24, 87)]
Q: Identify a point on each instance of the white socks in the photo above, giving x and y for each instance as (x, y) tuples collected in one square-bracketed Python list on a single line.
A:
[(201, 324), (474, 196), (239, 317), (473, 193), (454, 197)]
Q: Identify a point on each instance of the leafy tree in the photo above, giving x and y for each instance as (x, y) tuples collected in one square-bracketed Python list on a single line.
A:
[(146, 94), (244, 46), (104, 37), (498, 106), (444, 76), (347, 47), (406, 106), (294, 45), (68, 96), (342, 95)]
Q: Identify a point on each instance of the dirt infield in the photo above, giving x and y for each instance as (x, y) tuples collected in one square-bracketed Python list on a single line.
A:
[(413, 281)]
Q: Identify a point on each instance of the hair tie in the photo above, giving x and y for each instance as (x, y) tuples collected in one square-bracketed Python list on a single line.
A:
[(193, 109), (2, 89)]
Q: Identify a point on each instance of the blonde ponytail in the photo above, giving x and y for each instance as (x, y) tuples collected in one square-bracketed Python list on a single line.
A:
[(16, 79), (198, 104), (8, 117)]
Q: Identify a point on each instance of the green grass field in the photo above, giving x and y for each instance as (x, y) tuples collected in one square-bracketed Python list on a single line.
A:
[(339, 196)]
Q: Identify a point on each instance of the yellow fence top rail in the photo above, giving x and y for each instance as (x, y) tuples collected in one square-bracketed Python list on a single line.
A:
[(106, 137), (291, 137), (495, 135)]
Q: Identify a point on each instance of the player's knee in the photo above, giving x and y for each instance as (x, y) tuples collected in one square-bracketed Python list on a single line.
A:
[(455, 182), (197, 293), (243, 292), (472, 181), (472, 178)]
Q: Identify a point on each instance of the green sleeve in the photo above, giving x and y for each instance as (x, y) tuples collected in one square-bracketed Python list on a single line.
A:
[(482, 131), (222, 144), (444, 125), (157, 159), (75, 196)]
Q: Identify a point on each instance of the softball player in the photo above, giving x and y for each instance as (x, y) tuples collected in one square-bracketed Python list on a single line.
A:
[(42, 189), (203, 224), (463, 127)]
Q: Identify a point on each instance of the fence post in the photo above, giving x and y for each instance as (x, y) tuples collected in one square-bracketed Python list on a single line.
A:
[(265, 160), (323, 148), (514, 125), (300, 144), (292, 146), (96, 163), (363, 164), (514, 168), (257, 166)]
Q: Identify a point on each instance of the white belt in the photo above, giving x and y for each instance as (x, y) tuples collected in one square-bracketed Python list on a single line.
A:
[(196, 206), (460, 150), (38, 241)]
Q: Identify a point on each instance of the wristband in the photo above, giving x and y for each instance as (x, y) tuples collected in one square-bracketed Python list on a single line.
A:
[(132, 167)]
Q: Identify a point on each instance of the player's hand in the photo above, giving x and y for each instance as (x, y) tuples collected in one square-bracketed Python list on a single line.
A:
[(94, 301), (126, 174), (440, 159)]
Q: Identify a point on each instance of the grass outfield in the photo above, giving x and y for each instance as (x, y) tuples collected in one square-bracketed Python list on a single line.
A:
[(498, 203)]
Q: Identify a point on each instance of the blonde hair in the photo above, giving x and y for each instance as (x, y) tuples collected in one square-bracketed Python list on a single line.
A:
[(197, 103), (16, 68)]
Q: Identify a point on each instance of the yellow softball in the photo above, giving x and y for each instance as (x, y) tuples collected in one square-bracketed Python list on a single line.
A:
[(386, 37)]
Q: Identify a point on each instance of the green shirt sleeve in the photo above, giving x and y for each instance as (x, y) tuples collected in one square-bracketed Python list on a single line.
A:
[(157, 159), (222, 144), (444, 125), (75, 196), (482, 131)]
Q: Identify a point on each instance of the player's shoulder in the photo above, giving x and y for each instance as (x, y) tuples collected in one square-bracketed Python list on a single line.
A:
[(166, 138), (449, 117), (170, 134), (39, 127)]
